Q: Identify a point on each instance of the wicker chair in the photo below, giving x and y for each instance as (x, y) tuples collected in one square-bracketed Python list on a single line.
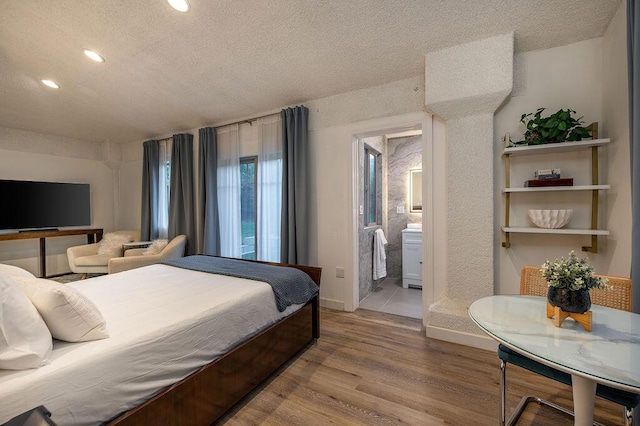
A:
[(618, 296)]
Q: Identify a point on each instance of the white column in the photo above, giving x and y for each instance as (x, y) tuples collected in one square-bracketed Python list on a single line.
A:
[(464, 85)]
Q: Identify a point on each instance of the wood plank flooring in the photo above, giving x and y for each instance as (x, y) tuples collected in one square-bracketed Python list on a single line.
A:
[(372, 368)]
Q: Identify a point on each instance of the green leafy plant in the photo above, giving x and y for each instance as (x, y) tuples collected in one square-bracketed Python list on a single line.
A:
[(572, 274), (558, 127)]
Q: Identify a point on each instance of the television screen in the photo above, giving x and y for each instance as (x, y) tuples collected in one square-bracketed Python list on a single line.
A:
[(36, 205)]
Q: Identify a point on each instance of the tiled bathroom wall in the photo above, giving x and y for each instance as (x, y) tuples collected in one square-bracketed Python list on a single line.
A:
[(403, 154)]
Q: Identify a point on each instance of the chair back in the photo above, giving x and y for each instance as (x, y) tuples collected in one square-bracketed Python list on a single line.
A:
[(175, 248), (617, 296)]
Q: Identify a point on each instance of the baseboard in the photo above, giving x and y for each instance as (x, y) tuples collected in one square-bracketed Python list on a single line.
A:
[(337, 305), (461, 338)]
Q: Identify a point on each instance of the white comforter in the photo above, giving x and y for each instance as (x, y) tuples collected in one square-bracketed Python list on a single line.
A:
[(164, 324)]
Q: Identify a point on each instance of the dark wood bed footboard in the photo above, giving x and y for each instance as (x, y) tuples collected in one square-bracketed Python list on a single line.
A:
[(205, 395)]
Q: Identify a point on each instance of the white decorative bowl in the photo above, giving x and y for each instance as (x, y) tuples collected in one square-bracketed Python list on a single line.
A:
[(550, 219)]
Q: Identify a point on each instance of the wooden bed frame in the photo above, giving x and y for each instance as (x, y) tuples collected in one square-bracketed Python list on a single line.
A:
[(205, 395)]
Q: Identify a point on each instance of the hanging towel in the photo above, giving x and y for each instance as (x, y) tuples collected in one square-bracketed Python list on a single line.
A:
[(379, 256)]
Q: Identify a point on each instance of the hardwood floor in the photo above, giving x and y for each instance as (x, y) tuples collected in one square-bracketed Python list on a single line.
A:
[(372, 368)]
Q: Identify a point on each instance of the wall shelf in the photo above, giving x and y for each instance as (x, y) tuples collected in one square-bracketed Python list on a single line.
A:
[(594, 188), (565, 231), (551, 148), (558, 188)]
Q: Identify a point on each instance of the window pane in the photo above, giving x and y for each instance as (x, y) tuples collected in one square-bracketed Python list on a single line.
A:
[(248, 207), (372, 187), (164, 184), (371, 213)]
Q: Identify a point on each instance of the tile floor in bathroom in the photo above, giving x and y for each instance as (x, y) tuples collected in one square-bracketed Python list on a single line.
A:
[(391, 298)]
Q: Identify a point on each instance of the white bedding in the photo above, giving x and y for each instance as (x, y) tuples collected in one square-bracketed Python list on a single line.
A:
[(164, 324)]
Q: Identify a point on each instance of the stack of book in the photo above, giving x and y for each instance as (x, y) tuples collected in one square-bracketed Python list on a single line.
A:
[(548, 177)]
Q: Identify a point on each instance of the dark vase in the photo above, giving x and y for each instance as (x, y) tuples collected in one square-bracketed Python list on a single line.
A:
[(574, 301)]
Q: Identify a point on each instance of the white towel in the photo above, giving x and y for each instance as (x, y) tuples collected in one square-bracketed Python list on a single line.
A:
[(379, 256)]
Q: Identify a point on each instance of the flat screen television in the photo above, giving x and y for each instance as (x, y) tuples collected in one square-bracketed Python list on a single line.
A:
[(26, 205)]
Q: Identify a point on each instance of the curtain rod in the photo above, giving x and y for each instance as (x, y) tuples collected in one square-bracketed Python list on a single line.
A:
[(248, 120)]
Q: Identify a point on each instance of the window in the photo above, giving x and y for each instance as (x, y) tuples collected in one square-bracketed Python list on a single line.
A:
[(164, 184), (248, 176), (250, 190), (371, 186)]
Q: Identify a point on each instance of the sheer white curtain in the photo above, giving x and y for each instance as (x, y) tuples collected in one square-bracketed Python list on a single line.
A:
[(164, 170), (269, 188), (229, 191)]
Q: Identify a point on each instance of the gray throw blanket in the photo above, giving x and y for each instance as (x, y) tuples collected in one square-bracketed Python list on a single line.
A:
[(290, 285)]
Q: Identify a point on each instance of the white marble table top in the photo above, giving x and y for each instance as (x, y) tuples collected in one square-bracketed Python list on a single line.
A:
[(609, 354)]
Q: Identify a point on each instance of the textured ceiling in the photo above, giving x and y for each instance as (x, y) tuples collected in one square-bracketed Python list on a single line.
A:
[(225, 59)]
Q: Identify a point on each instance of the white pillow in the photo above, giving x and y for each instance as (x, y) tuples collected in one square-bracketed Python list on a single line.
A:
[(14, 271), (111, 244), (25, 341), (156, 247), (69, 314)]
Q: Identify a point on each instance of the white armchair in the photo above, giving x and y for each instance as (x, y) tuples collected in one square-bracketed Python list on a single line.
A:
[(134, 258), (85, 259)]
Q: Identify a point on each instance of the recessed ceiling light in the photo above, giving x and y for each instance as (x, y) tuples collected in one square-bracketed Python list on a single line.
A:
[(51, 84), (179, 5), (93, 55)]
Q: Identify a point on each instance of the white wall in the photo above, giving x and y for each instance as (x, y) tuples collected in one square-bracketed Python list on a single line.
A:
[(565, 77), (332, 122), (33, 156)]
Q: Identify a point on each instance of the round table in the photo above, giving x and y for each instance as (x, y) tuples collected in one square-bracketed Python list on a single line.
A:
[(608, 354)]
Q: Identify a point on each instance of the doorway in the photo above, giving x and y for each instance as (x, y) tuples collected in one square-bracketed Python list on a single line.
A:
[(390, 194), (403, 144)]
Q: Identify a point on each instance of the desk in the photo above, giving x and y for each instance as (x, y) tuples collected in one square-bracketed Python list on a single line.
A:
[(609, 354), (93, 236)]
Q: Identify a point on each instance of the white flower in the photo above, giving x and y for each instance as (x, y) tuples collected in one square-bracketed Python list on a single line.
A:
[(572, 274)]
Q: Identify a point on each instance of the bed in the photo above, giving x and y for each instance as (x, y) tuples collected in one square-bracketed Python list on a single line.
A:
[(184, 347)]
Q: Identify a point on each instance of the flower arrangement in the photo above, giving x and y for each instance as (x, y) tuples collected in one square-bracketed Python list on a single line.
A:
[(571, 274)]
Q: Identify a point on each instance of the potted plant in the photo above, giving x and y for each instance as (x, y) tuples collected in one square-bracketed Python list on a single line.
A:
[(558, 127), (569, 283)]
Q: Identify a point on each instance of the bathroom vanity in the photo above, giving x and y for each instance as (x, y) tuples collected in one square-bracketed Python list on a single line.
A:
[(412, 257)]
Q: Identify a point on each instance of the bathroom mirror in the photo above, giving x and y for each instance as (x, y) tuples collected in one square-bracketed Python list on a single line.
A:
[(415, 190)]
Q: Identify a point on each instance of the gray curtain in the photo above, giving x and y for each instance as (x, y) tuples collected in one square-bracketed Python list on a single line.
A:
[(181, 211), (294, 238), (633, 60), (149, 222), (209, 241)]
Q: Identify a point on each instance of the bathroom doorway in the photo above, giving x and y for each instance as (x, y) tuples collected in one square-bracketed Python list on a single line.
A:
[(389, 194)]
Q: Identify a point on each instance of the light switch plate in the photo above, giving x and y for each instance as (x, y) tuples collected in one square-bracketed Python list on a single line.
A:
[(339, 272), (361, 209), (400, 208)]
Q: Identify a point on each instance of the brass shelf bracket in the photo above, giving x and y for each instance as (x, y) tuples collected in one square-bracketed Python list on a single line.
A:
[(507, 201), (594, 194)]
